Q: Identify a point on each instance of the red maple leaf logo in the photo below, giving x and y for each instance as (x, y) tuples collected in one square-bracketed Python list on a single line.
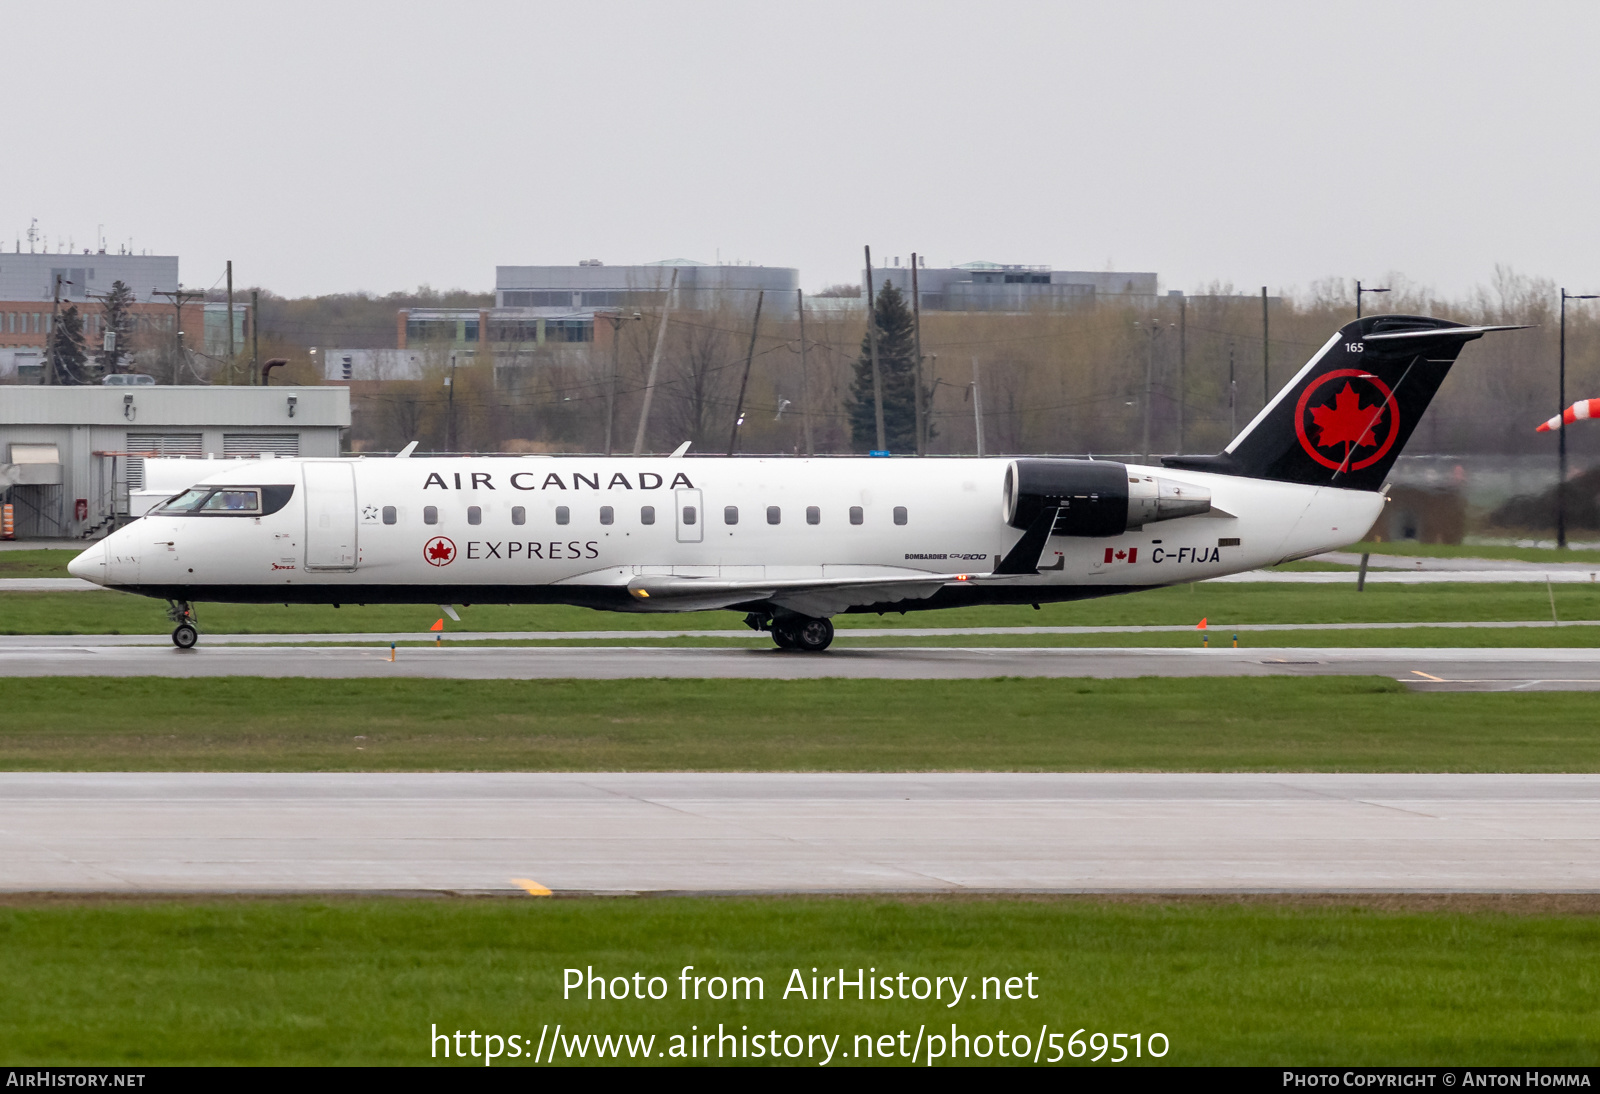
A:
[(1122, 555), (439, 551), (1345, 421)]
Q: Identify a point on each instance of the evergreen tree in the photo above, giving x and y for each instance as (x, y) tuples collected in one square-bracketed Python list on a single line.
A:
[(119, 320), (69, 356), (897, 366)]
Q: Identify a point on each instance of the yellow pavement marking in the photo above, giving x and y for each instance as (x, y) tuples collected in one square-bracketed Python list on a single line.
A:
[(1426, 676), (533, 887)]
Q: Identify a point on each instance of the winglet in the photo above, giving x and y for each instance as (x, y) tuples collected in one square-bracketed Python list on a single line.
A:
[(1024, 557), (405, 453)]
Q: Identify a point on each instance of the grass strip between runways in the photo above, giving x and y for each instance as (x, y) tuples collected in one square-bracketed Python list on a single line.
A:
[(1149, 724), (1342, 980)]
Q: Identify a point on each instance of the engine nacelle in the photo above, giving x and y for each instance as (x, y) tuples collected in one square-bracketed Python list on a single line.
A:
[(1095, 497)]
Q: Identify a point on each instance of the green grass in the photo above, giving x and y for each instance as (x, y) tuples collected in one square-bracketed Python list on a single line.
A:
[(1412, 549), (42, 563), (1225, 605), (1183, 724), (1339, 981)]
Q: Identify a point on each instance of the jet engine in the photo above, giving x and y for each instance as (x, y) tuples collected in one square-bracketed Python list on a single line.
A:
[(1095, 497)]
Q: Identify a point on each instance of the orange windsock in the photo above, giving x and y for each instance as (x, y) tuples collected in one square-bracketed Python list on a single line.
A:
[(439, 626), (1577, 412), (1200, 626)]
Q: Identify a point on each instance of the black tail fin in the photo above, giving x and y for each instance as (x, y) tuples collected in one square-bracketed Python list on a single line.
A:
[(1346, 415)]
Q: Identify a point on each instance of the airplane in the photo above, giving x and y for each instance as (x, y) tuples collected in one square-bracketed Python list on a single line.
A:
[(792, 542)]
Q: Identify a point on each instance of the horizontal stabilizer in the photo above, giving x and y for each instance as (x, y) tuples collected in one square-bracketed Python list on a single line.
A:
[(1464, 334)]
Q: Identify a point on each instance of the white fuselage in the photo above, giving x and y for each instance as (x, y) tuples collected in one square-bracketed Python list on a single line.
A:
[(570, 529)]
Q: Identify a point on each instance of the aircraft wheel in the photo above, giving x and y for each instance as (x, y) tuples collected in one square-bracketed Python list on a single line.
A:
[(184, 636), (814, 635), (783, 634)]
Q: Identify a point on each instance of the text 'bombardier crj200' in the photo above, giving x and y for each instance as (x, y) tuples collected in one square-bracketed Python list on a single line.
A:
[(791, 541)]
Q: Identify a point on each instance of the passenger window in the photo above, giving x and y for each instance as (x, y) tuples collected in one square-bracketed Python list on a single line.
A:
[(647, 514), (813, 515), (899, 514), (474, 515), (519, 515), (390, 514), (774, 514), (856, 515), (688, 514), (563, 515), (430, 514), (607, 514), (730, 515)]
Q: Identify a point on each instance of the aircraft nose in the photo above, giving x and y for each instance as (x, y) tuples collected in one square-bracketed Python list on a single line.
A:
[(90, 565)]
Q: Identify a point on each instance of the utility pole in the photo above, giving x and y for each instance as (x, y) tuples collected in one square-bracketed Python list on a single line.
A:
[(1183, 360), (655, 362), (872, 345), (1266, 351), (1150, 383), (255, 340), (611, 387), (616, 322), (749, 355), (179, 298), (977, 406), (916, 341), (450, 409), (230, 320), (805, 390), (50, 335)]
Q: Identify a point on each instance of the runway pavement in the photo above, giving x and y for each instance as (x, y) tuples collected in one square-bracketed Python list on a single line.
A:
[(727, 833), (1221, 629), (1486, 669)]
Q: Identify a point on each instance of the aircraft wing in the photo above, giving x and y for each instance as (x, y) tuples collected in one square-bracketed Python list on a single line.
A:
[(805, 596)]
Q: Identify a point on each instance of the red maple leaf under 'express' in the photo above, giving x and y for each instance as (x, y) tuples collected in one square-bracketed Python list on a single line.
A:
[(439, 551), (1345, 421)]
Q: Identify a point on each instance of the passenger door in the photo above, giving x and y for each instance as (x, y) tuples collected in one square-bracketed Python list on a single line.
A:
[(691, 516), (330, 516)]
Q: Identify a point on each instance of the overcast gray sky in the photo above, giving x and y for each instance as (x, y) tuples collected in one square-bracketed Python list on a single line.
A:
[(333, 146)]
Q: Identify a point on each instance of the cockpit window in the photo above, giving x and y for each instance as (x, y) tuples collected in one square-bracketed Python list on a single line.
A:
[(186, 500), (229, 501), (233, 501)]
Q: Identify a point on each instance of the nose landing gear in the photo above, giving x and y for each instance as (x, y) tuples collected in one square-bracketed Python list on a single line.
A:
[(186, 633), (794, 632)]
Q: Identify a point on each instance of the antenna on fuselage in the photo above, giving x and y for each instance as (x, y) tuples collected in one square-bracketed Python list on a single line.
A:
[(677, 453), (405, 453)]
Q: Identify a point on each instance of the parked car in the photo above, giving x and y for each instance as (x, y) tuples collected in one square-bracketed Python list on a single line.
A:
[(127, 379)]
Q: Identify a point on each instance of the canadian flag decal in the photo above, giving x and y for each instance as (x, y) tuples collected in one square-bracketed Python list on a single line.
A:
[(1114, 555)]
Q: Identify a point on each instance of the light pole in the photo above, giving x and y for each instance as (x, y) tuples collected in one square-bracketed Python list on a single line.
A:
[(1561, 440), (1359, 291), (1233, 397), (1149, 381), (616, 322), (450, 408)]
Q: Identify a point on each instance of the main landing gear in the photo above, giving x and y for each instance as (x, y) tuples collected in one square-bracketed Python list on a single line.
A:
[(186, 633), (794, 632)]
